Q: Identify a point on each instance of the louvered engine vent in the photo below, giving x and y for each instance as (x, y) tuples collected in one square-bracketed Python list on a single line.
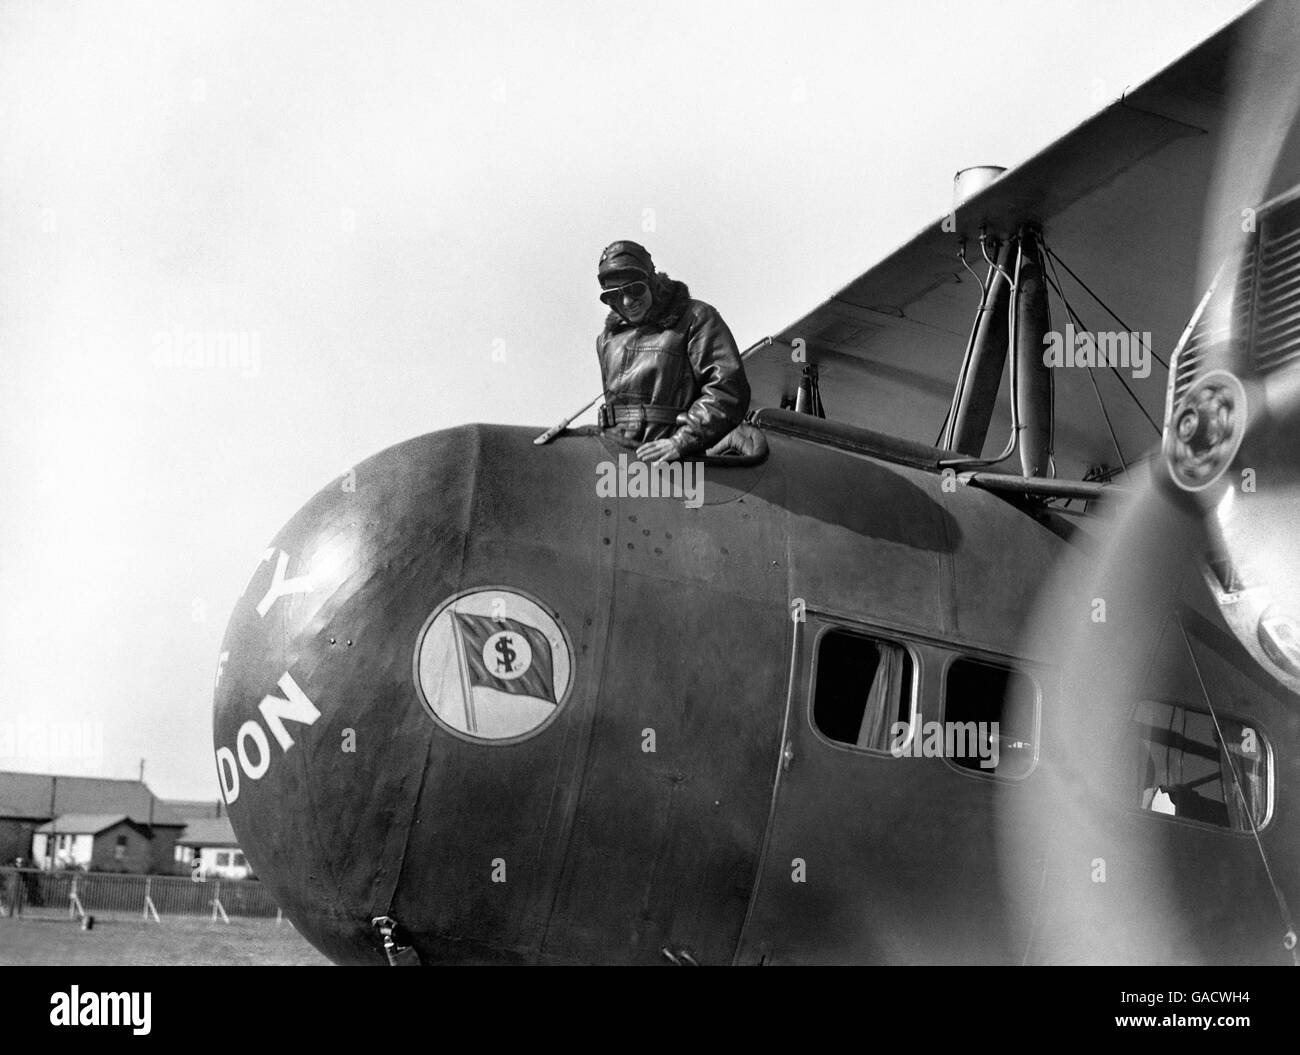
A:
[(1251, 325), (1275, 327)]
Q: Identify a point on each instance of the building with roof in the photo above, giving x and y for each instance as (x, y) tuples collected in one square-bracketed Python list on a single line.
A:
[(189, 809), (106, 842), (29, 801), (208, 847)]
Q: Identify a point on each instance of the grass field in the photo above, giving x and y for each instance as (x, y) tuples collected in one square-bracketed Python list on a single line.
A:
[(176, 942)]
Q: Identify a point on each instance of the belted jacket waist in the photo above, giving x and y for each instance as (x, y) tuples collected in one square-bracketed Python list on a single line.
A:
[(635, 414)]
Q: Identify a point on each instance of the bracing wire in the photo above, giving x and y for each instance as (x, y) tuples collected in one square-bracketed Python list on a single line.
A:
[(1106, 307)]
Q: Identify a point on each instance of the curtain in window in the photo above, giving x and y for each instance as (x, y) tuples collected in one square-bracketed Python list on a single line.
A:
[(881, 711), (1250, 772)]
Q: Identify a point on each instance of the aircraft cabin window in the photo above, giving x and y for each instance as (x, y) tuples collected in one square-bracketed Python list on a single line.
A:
[(864, 686), (990, 719), (1183, 769)]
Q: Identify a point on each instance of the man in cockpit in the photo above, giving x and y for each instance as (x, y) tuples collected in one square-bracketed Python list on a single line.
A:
[(674, 381)]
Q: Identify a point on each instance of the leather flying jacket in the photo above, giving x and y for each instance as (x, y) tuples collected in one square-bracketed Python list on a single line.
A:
[(680, 365)]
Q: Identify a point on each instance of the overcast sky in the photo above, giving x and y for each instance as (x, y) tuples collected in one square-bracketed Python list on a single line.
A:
[(396, 210)]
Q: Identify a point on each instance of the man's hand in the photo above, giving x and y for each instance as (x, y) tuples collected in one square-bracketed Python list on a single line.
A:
[(659, 451)]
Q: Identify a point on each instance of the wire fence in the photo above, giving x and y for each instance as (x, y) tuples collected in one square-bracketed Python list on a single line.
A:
[(31, 892)]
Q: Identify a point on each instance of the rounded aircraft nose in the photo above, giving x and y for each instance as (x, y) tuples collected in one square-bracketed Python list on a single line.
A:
[(390, 709)]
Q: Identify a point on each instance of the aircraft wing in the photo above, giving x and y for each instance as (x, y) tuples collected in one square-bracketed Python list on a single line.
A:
[(1122, 199)]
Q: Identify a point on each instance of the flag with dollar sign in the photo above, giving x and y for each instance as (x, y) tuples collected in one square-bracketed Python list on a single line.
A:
[(506, 655)]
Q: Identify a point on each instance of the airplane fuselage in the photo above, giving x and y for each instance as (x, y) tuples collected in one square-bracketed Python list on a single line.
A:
[(532, 721)]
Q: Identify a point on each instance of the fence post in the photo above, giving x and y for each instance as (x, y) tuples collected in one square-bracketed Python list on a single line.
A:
[(75, 907), (217, 906), (149, 906)]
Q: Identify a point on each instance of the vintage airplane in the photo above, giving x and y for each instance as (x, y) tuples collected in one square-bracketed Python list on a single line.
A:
[(880, 697)]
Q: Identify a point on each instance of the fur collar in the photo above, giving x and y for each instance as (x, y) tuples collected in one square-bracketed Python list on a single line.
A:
[(671, 300)]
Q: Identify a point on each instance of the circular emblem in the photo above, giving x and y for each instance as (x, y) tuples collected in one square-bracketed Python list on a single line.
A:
[(507, 655), (492, 665)]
